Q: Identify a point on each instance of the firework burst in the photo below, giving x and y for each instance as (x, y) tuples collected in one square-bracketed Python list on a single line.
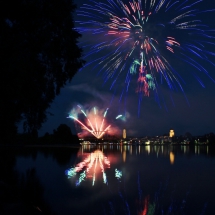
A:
[(140, 37), (95, 122)]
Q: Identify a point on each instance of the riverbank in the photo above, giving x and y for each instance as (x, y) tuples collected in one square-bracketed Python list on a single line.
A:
[(40, 146)]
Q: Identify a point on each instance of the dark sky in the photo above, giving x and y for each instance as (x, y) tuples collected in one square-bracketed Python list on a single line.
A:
[(195, 116)]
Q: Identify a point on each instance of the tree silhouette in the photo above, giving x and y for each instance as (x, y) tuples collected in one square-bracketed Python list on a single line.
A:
[(63, 134), (39, 55)]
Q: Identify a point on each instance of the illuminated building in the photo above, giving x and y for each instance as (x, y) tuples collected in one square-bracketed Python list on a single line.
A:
[(124, 133), (171, 133)]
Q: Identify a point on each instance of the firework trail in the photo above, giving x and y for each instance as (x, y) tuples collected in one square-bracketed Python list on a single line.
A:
[(95, 122), (94, 127), (140, 37)]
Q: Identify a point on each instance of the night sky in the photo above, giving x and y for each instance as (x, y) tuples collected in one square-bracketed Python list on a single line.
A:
[(194, 114)]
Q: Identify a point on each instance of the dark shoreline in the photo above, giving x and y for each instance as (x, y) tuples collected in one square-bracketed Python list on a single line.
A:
[(101, 144), (41, 146)]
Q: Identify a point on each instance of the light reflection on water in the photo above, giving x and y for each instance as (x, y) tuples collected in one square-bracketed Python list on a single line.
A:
[(158, 149), (92, 164), (139, 180)]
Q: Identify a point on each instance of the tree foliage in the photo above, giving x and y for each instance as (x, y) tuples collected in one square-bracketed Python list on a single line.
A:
[(63, 134), (39, 55)]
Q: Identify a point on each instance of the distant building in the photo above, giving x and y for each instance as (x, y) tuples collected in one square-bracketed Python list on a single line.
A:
[(171, 133), (124, 134)]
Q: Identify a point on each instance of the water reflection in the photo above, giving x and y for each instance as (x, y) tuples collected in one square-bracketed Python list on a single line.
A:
[(159, 150), (171, 157), (93, 164), (20, 193), (131, 195), (118, 174), (124, 156), (139, 180), (147, 149)]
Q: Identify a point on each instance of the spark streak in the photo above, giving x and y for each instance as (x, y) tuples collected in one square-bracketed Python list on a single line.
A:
[(140, 37)]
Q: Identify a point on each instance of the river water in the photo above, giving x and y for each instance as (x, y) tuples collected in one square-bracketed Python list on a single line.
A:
[(106, 179)]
